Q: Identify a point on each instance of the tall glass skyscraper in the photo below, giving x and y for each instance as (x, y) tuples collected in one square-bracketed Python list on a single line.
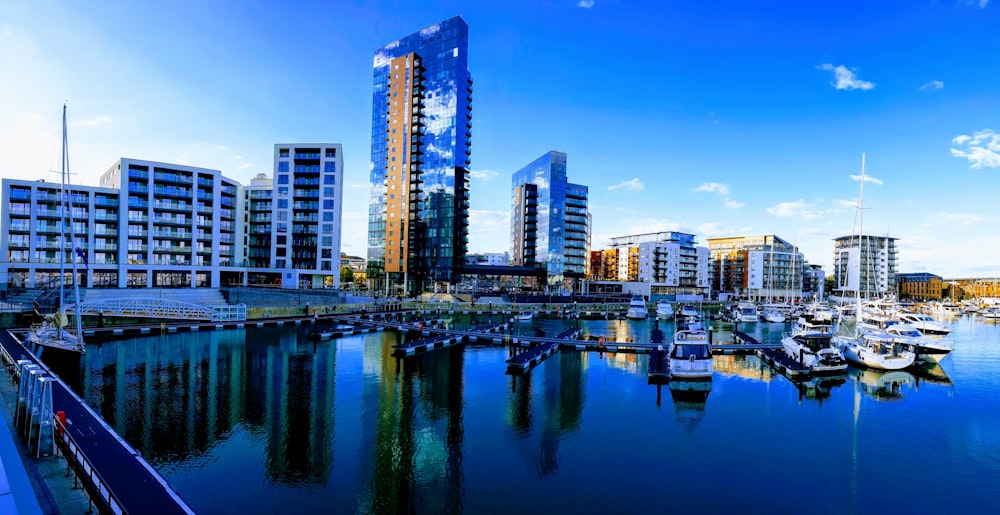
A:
[(418, 208), (549, 219)]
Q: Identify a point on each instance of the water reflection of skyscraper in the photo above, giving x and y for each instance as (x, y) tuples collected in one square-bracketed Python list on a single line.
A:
[(563, 398), (410, 443)]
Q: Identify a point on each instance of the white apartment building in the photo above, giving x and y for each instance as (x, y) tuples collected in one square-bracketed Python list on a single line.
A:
[(154, 225)]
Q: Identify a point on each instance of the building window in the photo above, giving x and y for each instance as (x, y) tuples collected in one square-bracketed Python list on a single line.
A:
[(331, 152), (283, 178), (330, 166), (327, 216), (283, 152), (327, 228), (329, 179), (328, 192), (282, 203), (328, 204), (282, 240), (283, 165)]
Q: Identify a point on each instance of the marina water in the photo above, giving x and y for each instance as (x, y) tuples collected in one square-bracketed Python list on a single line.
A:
[(266, 420)]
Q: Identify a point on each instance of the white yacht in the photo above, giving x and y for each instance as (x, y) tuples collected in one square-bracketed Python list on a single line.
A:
[(875, 350), (690, 355), (637, 308), (664, 310), (745, 312), (772, 315), (524, 317), (927, 349), (688, 312), (991, 313), (814, 350), (924, 323), (819, 313)]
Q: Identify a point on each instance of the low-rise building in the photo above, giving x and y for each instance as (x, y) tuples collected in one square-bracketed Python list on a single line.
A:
[(919, 286)]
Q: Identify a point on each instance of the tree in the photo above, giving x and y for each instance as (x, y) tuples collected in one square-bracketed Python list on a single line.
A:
[(346, 275)]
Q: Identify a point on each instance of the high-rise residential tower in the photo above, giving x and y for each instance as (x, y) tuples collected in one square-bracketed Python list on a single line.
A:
[(549, 219), (865, 264), (418, 207)]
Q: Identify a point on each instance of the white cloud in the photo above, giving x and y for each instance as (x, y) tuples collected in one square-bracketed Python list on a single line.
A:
[(632, 184), (712, 229), (982, 149), (244, 166), (958, 218), (94, 122), (489, 231), (714, 187), (796, 209), (484, 175), (934, 84), (846, 78), (868, 178), (734, 204), (586, 4)]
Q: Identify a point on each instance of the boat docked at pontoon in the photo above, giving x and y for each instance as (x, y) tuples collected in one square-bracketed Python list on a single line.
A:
[(875, 350), (927, 349), (691, 355), (687, 313), (664, 310), (813, 349), (637, 308), (745, 312), (924, 323)]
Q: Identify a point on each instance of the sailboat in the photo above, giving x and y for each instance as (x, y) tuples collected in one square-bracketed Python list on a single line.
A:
[(52, 332), (876, 350)]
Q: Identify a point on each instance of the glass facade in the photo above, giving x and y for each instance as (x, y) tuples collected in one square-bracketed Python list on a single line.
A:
[(435, 101), (549, 222)]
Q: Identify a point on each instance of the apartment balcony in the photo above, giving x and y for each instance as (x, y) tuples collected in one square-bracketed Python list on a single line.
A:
[(180, 249), (172, 178)]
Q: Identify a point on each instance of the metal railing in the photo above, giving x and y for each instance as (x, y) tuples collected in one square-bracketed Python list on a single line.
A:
[(163, 308)]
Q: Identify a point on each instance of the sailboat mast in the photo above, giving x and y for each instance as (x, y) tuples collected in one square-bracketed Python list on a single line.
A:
[(65, 218), (861, 224), (72, 235)]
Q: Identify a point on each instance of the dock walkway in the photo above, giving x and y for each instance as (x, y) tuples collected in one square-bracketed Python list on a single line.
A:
[(125, 482)]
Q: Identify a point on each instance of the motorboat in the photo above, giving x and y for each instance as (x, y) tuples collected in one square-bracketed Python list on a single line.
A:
[(804, 325), (687, 313), (664, 310), (875, 350), (524, 317), (813, 349), (772, 315), (637, 308), (818, 313), (991, 313), (927, 349), (924, 323), (690, 355), (745, 312)]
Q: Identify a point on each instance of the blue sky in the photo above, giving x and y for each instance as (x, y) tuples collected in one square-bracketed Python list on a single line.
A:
[(718, 118)]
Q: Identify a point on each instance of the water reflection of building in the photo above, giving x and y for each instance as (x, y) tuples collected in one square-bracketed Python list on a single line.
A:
[(627, 361), (415, 429), (299, 383), (746, 366), (173, 398), (563, 396)]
